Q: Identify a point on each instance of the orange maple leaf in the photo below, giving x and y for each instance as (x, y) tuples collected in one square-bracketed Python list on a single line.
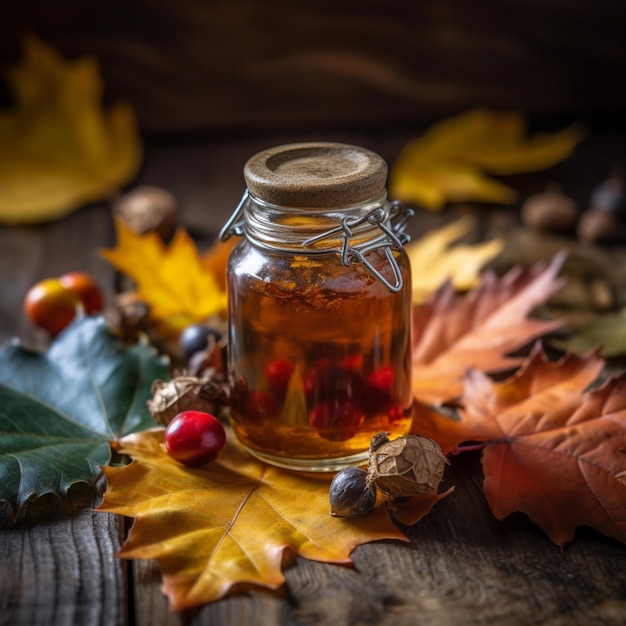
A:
[(480, 329), (551, 449), (231, 522)]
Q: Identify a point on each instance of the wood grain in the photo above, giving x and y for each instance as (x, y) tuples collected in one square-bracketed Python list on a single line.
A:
[(242, 66), (58, 567)]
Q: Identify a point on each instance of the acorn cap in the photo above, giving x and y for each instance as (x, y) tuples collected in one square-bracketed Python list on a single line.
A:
[(319, 174)]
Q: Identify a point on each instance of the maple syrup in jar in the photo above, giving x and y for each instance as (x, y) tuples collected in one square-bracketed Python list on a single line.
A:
[(319, 307)]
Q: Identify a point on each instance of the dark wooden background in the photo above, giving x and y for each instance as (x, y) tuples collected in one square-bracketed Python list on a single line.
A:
[(212, 83), (244, 66)]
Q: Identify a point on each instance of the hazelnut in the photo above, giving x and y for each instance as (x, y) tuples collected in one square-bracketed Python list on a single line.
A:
[(350, 495), (146, 209)]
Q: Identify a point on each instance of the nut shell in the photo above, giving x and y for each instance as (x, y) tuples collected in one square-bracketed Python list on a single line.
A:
[(350, 495), (147, 208)]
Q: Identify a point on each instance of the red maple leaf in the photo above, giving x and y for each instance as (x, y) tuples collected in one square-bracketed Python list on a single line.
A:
[(480, 329), (552, 449)]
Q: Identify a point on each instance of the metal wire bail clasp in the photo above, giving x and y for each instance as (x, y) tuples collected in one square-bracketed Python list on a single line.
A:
[(392, 238), (234, 225)]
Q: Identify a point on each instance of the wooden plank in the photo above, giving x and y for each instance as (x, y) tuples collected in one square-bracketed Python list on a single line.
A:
[(151, 606), (58, 566)]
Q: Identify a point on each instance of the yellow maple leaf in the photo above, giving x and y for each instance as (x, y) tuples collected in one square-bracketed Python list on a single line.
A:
[(171, 278), (433, 261), (448, 161), (59, 149), (232, 521)]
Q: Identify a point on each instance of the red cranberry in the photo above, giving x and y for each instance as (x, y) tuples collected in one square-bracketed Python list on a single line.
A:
[(336, 420)]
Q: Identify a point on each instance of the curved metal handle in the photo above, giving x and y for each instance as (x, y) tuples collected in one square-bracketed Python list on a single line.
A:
[(397, 272), (234, 225), (394, 238)]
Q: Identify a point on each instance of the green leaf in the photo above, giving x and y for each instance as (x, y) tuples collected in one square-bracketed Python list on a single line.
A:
[(59, 410), (606, 333)]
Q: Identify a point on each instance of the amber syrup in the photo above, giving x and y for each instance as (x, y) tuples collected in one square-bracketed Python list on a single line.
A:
[(320, 362)]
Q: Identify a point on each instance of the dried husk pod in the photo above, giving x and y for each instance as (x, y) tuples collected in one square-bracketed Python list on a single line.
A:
[(406, 466), (187, 393)]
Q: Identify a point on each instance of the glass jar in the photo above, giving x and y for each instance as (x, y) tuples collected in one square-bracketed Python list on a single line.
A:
[(319, 295)]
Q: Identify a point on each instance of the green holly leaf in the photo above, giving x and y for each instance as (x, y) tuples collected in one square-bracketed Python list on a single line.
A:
[(61, 409)]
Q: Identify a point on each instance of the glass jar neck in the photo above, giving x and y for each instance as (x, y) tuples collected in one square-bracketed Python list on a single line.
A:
[(350, 231), (316, 229)]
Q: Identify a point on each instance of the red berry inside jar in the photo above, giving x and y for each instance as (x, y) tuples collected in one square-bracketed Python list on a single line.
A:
[(329, 379), (336, 419), (261, 404), (378, 391), (194, 438), (278, 373)]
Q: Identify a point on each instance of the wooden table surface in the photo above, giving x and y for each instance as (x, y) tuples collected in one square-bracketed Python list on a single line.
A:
[(462, 566)]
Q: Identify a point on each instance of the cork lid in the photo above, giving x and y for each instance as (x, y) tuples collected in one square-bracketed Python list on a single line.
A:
[(319, 174)]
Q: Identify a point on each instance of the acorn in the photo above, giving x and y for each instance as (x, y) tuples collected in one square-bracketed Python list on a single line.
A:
[(550, 211)]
